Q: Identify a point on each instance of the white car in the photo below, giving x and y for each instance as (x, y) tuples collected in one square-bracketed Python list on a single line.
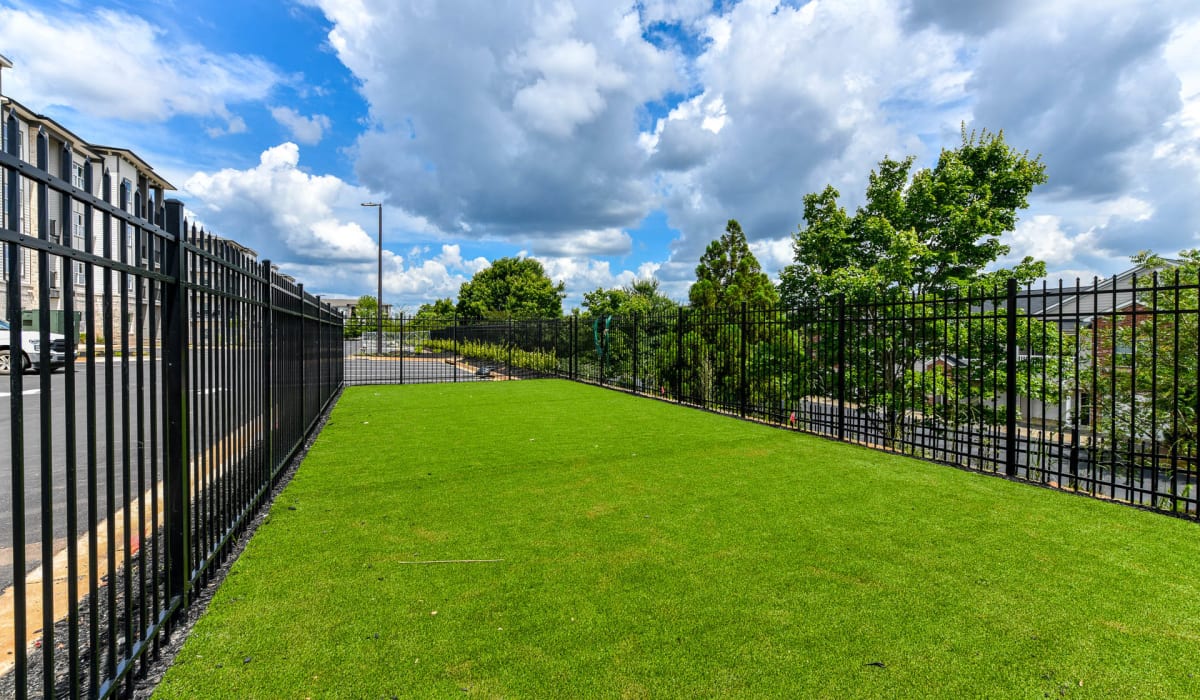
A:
[(30, 356)]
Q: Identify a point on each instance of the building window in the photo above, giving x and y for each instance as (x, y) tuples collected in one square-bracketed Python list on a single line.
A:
[(77, 175)]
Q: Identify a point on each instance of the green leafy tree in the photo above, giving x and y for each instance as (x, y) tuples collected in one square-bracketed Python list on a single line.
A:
[(362, 319), (729, 274), (442, 308), (512, 288), (640, 313), (604, 302), (727, 277), (642, 297), (437, 315), (928, 231), (904, 263)]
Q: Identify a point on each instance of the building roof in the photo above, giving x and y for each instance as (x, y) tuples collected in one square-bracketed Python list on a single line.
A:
[(146, 169), (1104, 296), (58, 130)]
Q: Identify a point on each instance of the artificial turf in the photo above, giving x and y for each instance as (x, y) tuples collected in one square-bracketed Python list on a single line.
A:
[(649, 550)]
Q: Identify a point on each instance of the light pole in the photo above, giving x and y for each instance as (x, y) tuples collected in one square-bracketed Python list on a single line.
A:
[(378, 282)]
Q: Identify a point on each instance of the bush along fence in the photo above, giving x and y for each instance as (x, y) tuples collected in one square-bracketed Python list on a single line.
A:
[(186, 376), (1090, 388)]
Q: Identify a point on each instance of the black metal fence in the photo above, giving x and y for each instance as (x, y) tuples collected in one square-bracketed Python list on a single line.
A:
[(186, 376), (1090, 388)]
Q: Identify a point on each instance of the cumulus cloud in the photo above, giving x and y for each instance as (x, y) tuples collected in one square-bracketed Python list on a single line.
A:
[(1089, 120), (1109, 94), (794, 98), (297, 210), (311, 226), (606, 242), (306, 130), (977, 17), (111, 64), (525, 127)]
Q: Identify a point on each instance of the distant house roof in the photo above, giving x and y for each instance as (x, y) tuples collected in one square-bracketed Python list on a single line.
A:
[(1072, 306), (1104, 296)]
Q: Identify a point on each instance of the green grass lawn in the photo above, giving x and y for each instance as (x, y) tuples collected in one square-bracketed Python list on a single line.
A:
[(649, 550)]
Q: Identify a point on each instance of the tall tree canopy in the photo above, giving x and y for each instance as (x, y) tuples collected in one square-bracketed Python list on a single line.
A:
[(926, 231), (729, 274), (513, 287)]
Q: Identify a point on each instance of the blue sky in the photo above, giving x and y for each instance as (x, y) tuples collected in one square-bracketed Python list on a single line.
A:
[(612, 140)]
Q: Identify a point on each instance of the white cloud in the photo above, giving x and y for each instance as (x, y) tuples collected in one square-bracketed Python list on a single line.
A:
[(773, 254), (312, 227), (1043, 237), (236, 125), (306, 130), (505, 121), (112, 64), (570, 81), (583, 243), (794, 98)]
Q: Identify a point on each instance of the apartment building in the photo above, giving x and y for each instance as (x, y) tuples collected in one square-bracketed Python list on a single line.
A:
[(68, 157)]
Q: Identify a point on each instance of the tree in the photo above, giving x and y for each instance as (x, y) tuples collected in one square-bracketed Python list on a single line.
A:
[(442, 308), (511, 287), (642, 297), (626, 321), (930, 231), (729, 274), (362, 319), (903, 268)]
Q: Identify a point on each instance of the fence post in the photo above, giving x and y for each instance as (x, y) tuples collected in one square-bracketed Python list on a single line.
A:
[(636, 377), (15, 386), (743, 390), (317, 360), (402, 347), (1010, 380), (175, 410), (304, 360), (268, 332), (571, 347), (679, 357), (841, 367), (454, 356)]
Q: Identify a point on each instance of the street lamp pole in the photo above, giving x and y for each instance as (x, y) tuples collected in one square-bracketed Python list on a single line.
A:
[(378, 282)]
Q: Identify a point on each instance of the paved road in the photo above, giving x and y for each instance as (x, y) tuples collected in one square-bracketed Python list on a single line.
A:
[(56, 422), (118, 454)]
